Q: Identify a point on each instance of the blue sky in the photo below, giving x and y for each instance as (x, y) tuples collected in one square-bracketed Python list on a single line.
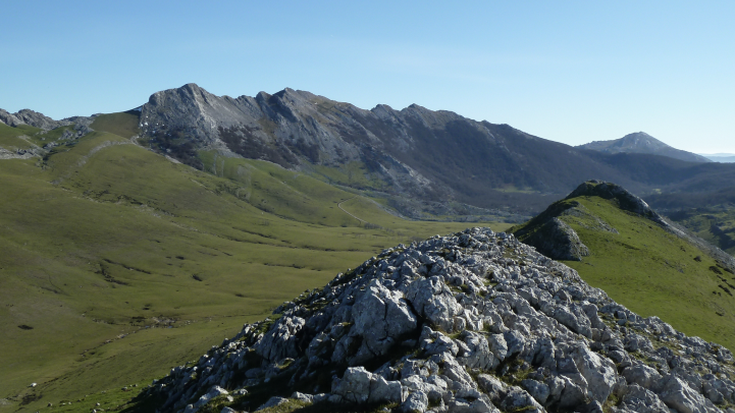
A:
[(568, 71)]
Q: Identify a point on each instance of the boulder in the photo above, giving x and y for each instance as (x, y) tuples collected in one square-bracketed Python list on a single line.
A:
[(599, 373), (434, 300), (381, 317), (280, 342), (682, 398), (361, 386), (272, 402)]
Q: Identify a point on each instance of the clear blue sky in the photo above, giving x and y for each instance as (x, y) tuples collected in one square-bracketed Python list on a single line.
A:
[(569, 71)]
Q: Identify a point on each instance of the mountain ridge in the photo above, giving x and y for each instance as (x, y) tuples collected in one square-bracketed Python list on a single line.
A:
[(424, 163), (432, 155), (412, 153)]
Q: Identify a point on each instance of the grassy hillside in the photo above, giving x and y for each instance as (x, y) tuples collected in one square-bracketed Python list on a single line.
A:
[(119, 264), (13, 139), (651, 271)]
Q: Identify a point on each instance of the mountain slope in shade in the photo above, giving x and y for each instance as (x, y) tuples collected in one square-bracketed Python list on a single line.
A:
[(641, 142)]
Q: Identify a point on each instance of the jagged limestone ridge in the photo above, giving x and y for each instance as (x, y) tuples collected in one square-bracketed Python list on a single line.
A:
[(473, 322)]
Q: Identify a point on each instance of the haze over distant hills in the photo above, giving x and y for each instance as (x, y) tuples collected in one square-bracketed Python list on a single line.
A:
[(720, 157), (641, 142)]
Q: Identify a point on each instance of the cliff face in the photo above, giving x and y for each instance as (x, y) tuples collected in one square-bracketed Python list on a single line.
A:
[(473, 322)]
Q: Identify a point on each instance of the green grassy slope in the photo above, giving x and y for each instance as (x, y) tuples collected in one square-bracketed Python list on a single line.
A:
[(123, 124), (118, 264), (653, 272), (13, 139)]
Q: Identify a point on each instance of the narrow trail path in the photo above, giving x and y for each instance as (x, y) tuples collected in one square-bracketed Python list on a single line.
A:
[(349, 213)]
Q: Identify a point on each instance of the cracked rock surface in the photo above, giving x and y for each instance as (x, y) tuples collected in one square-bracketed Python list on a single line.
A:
[(472, 322)]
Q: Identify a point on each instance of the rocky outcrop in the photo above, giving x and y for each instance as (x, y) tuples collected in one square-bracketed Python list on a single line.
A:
[(558, 241), (32, 118), (624, 199), (473, 322), (38, 120), (9, 118)]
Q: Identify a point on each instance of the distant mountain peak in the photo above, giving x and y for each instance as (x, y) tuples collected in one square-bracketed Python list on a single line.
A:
[(640, 134), (641, 142), (642, 137)]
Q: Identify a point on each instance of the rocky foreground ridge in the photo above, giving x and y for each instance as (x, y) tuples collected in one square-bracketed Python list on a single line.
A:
[(472, 322)]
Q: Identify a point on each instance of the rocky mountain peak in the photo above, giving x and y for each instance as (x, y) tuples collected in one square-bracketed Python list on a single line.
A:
[(193, 88), (640, 140), (9, 118), (31, 118), (262, 96), (472, 322)]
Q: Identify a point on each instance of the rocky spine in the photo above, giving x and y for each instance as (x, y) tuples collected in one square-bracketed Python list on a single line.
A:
[(473, 322)]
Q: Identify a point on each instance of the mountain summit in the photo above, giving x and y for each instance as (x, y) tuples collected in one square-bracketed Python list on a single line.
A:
[(641, 142)]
